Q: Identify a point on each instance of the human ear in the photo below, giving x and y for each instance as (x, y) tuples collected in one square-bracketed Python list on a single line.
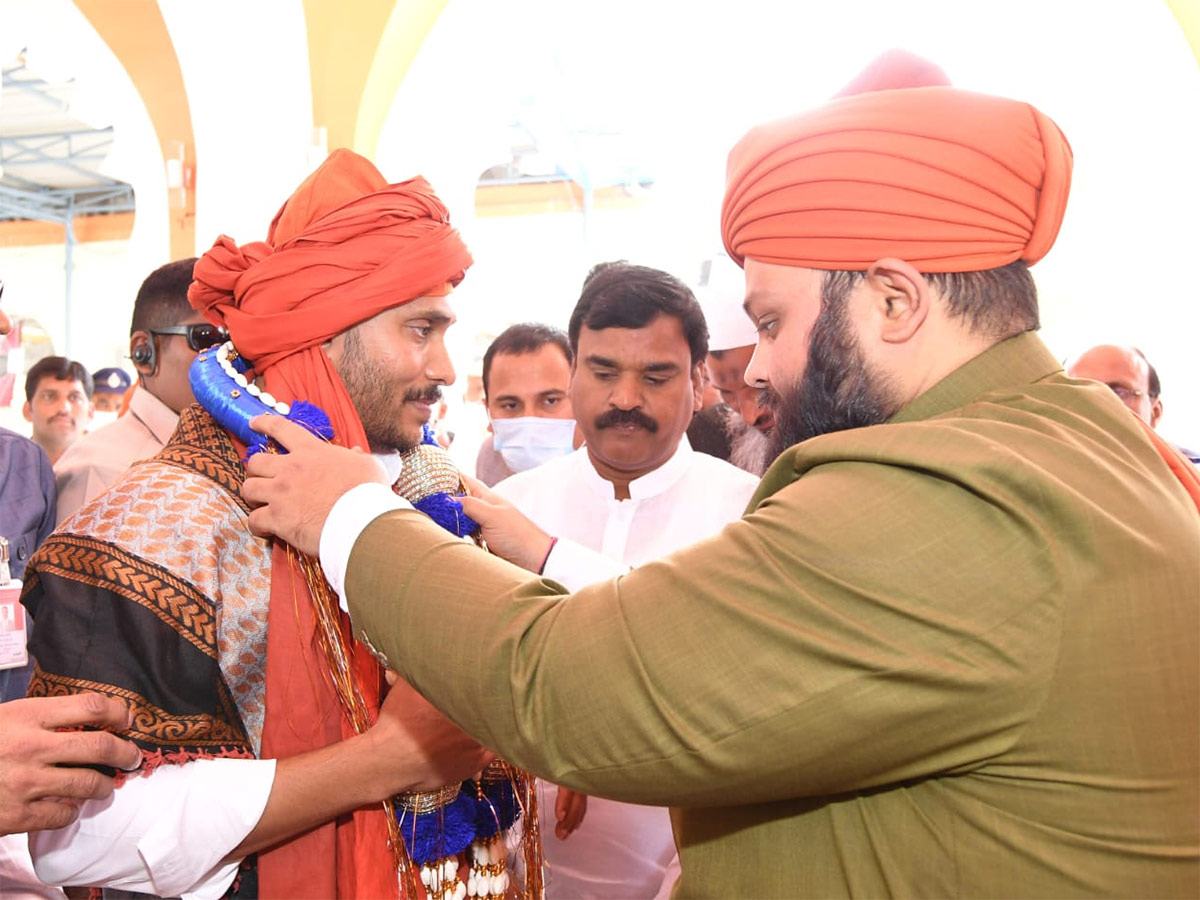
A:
[(1155, 412), (901, 298), (334, 346), (697, 387), (27, 412), (141, 353)]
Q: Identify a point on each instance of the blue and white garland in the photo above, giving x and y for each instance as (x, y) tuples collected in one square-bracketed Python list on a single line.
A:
[(219, 382)]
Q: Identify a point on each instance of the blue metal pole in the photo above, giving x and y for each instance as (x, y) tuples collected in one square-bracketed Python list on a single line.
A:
[(69, 265)]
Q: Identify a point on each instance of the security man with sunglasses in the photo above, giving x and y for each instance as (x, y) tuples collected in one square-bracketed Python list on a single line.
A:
[(164, 338)]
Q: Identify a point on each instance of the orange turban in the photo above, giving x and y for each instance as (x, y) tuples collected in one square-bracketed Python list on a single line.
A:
[(948, 180), (344, 247)]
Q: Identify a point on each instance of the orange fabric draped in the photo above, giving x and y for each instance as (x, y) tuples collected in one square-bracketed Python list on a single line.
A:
[(1180, 467), (345, 247), (948, 180)]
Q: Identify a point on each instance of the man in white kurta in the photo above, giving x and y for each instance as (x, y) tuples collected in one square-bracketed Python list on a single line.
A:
[(632, 494)]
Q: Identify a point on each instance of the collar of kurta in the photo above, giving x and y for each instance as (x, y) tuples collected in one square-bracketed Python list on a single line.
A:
[(649, 485), (158, 418), (1017, 361)]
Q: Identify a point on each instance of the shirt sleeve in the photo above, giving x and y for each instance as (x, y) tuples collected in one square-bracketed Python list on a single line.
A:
[(352, 512), (574, 566), (46, 479), (166, 834), (793, 654)]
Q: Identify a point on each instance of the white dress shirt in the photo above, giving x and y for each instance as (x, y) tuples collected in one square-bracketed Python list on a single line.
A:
[(90, 466), (165, 833), (621, 850)]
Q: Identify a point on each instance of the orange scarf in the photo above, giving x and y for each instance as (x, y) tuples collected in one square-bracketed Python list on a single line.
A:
[(1180, 467)]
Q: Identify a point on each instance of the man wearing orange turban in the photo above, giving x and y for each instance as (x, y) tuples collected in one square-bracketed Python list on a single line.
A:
[(249, 693), (953, 647)]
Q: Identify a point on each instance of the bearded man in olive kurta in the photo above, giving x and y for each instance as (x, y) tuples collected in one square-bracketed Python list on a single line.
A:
[(952, 648)]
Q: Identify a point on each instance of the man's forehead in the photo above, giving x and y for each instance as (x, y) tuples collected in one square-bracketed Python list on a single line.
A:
[(768, 282), (62, 385), (437, 307), (1107, 361), (730, 366), (546, 363), (662, 329), (525, 359)]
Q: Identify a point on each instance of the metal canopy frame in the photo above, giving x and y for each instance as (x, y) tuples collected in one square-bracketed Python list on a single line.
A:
[(54, 176)]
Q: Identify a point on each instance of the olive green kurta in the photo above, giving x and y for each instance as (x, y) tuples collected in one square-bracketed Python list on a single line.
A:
[(953, 655)]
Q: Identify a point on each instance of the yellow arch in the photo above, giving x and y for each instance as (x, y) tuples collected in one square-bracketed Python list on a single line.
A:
[(358, 55), (1187, 14), (136, 32)]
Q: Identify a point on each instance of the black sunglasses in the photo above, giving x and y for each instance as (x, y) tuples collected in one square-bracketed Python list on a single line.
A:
[(200, 336)]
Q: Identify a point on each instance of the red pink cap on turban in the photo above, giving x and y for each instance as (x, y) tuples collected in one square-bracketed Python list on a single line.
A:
[(948, 180)]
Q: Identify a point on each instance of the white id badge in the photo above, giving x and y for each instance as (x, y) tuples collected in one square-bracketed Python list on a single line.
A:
[(12, 627)]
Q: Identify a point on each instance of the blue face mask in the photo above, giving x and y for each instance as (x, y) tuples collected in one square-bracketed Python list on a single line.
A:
[(528, 441)]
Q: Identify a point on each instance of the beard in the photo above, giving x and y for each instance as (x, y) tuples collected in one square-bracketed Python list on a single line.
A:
[(374, 398), (748, 447), (838, 389)]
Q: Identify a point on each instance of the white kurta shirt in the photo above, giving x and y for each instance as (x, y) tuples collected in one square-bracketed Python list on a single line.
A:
[(621, 850)]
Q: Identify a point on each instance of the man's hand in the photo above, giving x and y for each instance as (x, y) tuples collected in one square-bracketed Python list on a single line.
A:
[(509, 534), (416, 748), (295, 492), (569, 808), (35, 792)]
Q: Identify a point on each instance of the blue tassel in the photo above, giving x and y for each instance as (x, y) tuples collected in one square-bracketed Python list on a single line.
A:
[(444, 832), (447, 511), (497, 810), (313, 418), (233, 406), (304, 414)]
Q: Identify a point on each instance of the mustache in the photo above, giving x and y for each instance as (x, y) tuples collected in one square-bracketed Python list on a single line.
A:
[(626, 417), (769, 398), (431, 394)]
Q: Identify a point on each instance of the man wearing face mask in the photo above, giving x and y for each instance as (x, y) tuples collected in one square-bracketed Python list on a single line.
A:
[(633, 493), (526, 372), (164, 337)]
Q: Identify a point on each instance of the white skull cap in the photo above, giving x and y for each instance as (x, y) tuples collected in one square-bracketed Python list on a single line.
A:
[(721, 297)]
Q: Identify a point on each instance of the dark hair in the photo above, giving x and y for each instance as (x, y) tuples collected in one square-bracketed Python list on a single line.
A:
[(59, 368), (996, 303), (162, 298), (620, 295), (526, 337), (1153, 387)]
